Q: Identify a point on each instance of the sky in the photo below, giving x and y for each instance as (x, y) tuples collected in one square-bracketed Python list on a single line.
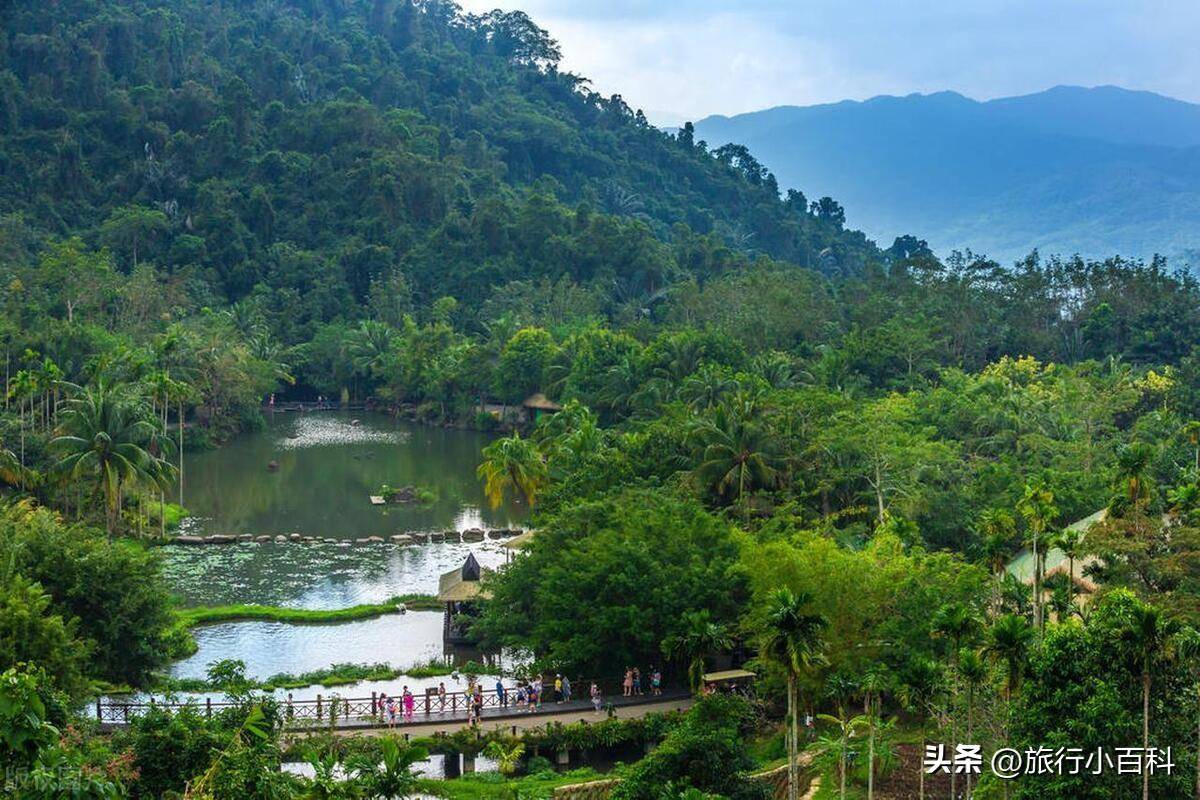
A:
[(686, 60)]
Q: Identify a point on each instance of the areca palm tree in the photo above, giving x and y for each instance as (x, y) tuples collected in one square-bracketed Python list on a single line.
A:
[(1133, 473), (973, 671), (1008, 642), (957, 622), (700, 637), (512, 464), (739, 455), (1038, 509), (1191, 432), (792, 638), (1070, 542), (874, 684), (1187, 647), (369, 345), (920, 684), (1149, 634), (103, 434)]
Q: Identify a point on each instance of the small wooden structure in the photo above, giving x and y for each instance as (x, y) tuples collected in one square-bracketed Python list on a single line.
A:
[(518, 542), (459, 591), (537, 405), (377, 500)]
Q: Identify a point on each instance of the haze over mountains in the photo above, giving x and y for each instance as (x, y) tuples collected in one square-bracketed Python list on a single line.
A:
[(1098, 171)]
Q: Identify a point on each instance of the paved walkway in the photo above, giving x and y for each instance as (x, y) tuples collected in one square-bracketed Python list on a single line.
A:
[(506, 719)]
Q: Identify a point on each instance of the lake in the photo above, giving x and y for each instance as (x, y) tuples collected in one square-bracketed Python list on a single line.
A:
[(329, 463)]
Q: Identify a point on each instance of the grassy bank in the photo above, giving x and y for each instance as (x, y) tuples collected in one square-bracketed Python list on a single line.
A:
[(182, 644), (336, 675)]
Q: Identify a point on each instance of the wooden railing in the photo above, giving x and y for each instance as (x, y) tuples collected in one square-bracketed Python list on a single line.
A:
[(333, 710)]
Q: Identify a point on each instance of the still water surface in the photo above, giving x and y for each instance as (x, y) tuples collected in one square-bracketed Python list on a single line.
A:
[(328, 465)]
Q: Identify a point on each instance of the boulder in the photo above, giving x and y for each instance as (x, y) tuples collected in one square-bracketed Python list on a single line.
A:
[(220, 538), (473, 535), (262, 538), (245, 537), (281, 539), (373, 540), (309, 539), (330, 541), (437, 537), (295, 537), (403, 539), (186, 539), (453, 536), (497, 534), (272, 466)]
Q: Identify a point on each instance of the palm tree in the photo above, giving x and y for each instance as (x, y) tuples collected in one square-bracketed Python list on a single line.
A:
[(957, 622), (1191, 432), (1149, 634), (391, 775), (506, 756), (1133, 473), (1008, 642), (920, 684), (973, 671), (369, 346), (846, 726), (1038, 509), (701, 636), (103, 433), (1187, 647), (792, 638), (874, 684), (739, 454), (512, 464), (1070, 542)]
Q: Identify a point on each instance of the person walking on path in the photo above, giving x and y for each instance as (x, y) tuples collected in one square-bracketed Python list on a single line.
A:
[(442, 696), (596, 697), (408, 705), (655, 681), (566, 689), (478, 700), (637, 681), (558, 694), (391, 712), (501, 694), (627, 684)]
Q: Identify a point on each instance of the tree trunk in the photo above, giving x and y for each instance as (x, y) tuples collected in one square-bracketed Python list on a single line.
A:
[(1037, 585), (792, 744), (1145, 731), (181, 451), (921, 768), (879, 494), (871, 749), (1198, 747)]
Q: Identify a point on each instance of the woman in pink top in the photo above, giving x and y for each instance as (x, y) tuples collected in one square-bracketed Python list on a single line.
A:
[(408, 705)]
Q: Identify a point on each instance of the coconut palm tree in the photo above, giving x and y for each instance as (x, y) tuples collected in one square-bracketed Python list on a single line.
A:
[(1149, 634), (512, 464), (1134, 461), (102, 433), (792, 638), (700, 637), (739, 455)]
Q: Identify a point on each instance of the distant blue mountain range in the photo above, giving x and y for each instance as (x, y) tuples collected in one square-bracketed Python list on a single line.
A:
[(1098, 171)]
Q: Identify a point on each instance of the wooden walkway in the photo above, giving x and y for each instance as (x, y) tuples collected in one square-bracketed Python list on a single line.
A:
[(515, 722), (431, 713)]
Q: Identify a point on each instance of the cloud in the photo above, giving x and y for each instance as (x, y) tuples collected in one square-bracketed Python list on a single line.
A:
[(697, 58)]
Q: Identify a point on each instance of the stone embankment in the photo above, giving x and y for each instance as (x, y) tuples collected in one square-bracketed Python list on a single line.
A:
[(401, 539)]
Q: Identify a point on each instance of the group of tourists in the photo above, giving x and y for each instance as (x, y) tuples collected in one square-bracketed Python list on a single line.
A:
[(390, 706), (632, 685)]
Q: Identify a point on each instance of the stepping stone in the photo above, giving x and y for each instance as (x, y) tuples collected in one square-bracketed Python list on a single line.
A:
[(186, 539), (245, 537), (453, 536), (220, 538), (262, 538), (437, 537), (295, 537), (374, 540), (281, 539)]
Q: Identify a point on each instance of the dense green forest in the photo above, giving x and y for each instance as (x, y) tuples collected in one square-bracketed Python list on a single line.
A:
[(776, 437)]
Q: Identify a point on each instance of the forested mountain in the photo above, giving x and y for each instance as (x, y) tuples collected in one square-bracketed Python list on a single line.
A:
[(1070, 170), (312, 150)]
